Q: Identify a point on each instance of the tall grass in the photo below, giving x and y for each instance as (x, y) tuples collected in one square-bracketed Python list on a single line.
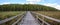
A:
[(7, 14), (53, 14)]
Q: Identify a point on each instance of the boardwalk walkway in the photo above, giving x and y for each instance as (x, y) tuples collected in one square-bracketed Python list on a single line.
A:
[(28, 20)]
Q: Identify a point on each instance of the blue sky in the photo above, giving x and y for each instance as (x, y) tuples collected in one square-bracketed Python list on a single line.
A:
[(24, 1), (52, 3)]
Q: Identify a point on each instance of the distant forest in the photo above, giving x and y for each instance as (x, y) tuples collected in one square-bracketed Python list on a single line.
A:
[(26, 7)]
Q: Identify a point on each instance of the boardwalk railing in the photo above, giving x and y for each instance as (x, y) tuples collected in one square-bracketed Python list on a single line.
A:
[(12, 20), (41, 20), (19, 20), (46, 17), (57, 20)]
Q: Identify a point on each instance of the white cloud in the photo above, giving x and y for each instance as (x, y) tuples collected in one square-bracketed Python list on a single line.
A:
[(55, 5), (4, 3), (32, 1)]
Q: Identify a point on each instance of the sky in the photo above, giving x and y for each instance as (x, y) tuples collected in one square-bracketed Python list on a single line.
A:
[(52, 3)]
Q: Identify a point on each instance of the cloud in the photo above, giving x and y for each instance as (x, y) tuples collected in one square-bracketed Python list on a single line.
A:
[(10, 3), (32, 1), (4, 3), (55, 5)]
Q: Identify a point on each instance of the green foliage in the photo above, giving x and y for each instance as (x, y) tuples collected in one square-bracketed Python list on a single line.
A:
[(25, 7)]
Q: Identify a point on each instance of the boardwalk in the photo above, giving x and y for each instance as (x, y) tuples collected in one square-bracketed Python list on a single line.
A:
[(28, 20)]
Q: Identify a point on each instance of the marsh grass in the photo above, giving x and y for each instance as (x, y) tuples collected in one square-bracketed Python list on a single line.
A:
[(9, 14), (53, 14), (4, 15)]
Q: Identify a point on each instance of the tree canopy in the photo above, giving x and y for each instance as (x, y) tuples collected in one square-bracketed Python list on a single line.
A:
[(26, 7)]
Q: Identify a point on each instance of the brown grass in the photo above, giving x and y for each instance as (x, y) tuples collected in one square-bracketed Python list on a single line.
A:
[(53, 14), (4, 15)]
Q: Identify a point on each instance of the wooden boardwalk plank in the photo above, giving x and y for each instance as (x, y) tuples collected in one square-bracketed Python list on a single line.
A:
[(28, 20)]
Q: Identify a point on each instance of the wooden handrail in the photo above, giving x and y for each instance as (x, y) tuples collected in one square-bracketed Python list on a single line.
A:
[(8, 19), (18, 19), (43, 21), (40, 18), (57, 20)]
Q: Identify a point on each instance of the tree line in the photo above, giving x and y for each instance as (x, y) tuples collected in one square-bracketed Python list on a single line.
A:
[(26, 7)]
